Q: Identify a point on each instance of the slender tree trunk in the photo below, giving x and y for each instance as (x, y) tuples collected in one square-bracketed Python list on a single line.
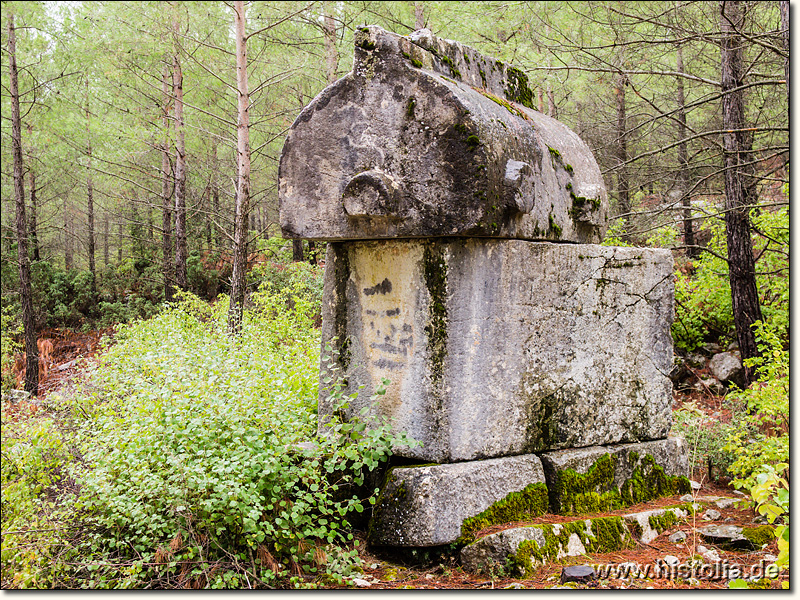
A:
[(540, 98), (784, 6), (90, 196), (105, 240), (739, 185), (552, 109), (419, 15), (32, 223), (297, 250), (121, 238), (68, 258), (240, 230), (181, 250), (684, 177), (623, 192), (28, 322), (167, 264)]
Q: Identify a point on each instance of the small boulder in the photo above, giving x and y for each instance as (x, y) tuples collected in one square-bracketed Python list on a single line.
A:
[(712, 515), (677, 537), (726, 535), (696, 361), (671, 561), (727, 367), (578, 574)]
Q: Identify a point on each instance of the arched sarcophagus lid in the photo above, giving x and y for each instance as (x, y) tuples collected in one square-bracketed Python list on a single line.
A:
[(428, 138)]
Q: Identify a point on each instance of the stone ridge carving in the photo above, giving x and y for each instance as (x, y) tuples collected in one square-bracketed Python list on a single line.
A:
[(428, 138)]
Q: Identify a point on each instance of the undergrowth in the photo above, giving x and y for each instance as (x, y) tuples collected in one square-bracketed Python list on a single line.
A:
[(182, 460)]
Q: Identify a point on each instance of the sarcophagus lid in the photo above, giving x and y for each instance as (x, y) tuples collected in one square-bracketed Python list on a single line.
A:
[(428, 138)]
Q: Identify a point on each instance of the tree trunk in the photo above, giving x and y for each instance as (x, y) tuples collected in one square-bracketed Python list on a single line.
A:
[(181, 251), (121, 238), (684, 177), (67, 236), (215, 192), (32, 223), (297, 250), (29, 325), (419, 15), (90, 196), (739, 185), (784, 5), (623, 192), (167, 266), (240, 230), (105, 240)]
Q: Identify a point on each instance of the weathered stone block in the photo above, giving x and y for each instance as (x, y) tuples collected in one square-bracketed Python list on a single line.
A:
[(427, 138), (533, 545), (602, 478), (427, 505), (502, 347)]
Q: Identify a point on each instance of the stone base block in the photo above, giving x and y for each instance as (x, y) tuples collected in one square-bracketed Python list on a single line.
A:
[(501, 347), (602, 478), (529, 547), (437, 504)]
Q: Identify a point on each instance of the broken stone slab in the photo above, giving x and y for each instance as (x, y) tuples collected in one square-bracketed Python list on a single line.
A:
[(501, 347), (432, 505), (534, 545), (726, 536), (645, 526), (601, 478), (427, 138)]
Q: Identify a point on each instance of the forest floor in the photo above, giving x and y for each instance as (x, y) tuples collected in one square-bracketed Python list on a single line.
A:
[(392, 571)]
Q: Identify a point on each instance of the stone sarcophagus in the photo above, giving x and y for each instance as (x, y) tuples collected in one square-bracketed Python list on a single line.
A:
[(463, 267)]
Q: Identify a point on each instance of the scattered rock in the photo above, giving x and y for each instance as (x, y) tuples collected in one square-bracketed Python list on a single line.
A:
[(688, 497), (725, 535), (728, 520), (770, 558), (696, 361), (710, 384), (578, 573), (671, 561), (677, 537), (711, 556), (701, 549), (727, 367), (429, 576), (712, 515), (362, 583), (514, 586), (726, 502), (711, 348), (695, 485)]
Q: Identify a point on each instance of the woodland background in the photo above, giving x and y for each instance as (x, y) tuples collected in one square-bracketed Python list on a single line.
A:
[(140, 169)]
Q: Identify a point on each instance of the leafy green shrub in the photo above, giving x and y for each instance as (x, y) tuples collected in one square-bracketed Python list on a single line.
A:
[(705, 437), (290, 281), (761, 437), (703, 308), (10, 328), (193, 470)]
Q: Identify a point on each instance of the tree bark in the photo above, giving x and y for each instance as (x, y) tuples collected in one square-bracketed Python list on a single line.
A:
[(181, 250), (297, 250), (167, 265), (240, 230), (684, 177), (28, 322), (32, 223), (739, 185), (90, 197)]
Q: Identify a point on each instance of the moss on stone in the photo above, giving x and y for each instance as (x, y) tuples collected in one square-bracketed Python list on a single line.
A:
[(588, 492), (504, 103), (516, 506), (435, 274), (595, 491), (473, 141), (517, 89), (608, 534), (412, 103), (662, 522), (649, 481), (553, 228), (763, 534)]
